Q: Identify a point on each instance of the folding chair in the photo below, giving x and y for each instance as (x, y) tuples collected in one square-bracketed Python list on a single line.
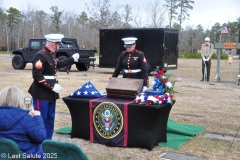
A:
[(10, 150), (63, 150)]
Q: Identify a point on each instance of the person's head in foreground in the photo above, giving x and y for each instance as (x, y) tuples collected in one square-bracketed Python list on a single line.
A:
[(12, 96)]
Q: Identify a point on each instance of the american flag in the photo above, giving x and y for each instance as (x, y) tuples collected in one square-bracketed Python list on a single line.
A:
[(179, 78), (224, 30), (87, 90)]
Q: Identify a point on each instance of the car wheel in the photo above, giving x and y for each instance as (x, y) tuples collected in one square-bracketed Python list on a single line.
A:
[(18, 62), (66, 68), (83, 66)]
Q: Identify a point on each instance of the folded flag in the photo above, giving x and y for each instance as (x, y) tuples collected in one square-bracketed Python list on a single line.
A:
[(87, 91)]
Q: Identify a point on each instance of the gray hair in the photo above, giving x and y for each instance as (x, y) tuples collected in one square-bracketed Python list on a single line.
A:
[(12, 96)]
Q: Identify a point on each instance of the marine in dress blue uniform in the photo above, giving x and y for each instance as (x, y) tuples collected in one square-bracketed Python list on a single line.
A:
[(45, 88), (133, 62)]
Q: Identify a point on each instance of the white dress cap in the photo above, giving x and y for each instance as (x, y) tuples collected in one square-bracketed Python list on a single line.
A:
[(207, 39), (54, 37), (129, 41)]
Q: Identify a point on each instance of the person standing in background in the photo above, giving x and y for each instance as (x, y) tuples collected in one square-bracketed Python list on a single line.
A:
[(206, 53), (45, 88)]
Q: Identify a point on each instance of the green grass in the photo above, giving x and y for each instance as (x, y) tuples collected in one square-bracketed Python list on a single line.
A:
[(96, 54), (198, 55), (3, 52)]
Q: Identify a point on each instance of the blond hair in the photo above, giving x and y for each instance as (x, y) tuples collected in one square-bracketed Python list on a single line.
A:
[(12, 96)]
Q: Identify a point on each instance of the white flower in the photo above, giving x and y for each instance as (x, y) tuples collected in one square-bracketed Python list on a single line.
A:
[(155, 100), (141, 97), (169, 85), (169, 98)]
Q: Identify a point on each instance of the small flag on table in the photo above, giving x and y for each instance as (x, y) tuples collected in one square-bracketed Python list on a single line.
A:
[(87, 90), (224, 30)]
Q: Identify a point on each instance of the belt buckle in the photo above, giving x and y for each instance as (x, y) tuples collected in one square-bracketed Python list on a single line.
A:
[(129, 71)]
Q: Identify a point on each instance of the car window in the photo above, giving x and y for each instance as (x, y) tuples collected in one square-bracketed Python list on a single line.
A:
[(35, 45), (44, 43), (68, 44)]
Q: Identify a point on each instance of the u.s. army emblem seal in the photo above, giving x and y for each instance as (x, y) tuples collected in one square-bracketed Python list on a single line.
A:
[(108, 120)]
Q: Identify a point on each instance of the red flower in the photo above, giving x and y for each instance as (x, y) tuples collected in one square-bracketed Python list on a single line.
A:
[(139, 101), (166, 96), (156, 96), (148, 102), (171, 96), (164, 80), (157, 75), (161, 72), (160, 99)]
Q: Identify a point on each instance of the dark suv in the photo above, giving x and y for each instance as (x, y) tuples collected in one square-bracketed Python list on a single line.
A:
[(69, 46)]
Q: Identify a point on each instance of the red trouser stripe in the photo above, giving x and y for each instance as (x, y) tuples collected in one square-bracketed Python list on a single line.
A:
[(38, 104)]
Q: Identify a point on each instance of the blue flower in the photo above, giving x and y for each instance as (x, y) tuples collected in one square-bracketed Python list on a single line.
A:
[(145, 98)]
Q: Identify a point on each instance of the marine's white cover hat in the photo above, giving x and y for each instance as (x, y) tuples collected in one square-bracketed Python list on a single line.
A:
[(129, 41), (207, 39), (54, 37)]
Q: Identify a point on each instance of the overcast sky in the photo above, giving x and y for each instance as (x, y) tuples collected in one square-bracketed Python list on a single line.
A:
[(205, 12)]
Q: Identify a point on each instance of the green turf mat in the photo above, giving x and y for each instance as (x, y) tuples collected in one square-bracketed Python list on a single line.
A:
[(65, 130), (178, 134)]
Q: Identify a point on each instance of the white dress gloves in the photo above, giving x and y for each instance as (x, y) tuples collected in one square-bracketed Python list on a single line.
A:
[(205, 59), (144, 88), (57, 88), (75, 57)]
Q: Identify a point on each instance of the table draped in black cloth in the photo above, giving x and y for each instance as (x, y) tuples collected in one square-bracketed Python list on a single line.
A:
[(147, 124)]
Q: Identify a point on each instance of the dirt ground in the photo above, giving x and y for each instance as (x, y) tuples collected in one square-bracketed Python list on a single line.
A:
[(214, 105)]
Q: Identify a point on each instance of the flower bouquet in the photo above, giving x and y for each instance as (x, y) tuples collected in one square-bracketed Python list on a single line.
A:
[(162, 90)]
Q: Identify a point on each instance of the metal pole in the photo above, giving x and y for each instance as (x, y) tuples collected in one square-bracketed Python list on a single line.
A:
[(217, 78), (238, 47), (239, 64), (237, 39)]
